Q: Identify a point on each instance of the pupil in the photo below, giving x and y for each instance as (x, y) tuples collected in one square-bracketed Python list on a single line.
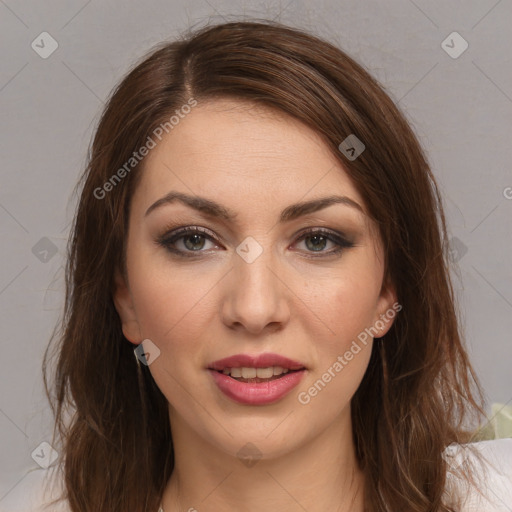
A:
[(316, 238), (197, 241)]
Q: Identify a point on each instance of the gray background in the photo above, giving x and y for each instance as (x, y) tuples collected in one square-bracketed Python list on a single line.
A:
[(461, 109)]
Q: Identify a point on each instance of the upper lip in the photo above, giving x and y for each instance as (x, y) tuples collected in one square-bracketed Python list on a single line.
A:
[(255, 361)]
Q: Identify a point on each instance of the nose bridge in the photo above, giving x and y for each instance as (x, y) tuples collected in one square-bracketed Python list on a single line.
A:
[(253, 263), (256, 295)]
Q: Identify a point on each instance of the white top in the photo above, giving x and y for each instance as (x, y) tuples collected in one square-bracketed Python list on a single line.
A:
[(493, 489), (31, 493)]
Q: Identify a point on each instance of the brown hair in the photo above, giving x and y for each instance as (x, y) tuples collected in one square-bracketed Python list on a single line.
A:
[(419, 387)]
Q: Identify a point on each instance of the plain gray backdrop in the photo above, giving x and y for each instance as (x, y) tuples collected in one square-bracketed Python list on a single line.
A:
[(458, 101)]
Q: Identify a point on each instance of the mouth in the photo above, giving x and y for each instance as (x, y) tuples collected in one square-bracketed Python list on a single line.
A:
[(263, 367), (259, 379), (257, 375), (256, 390)]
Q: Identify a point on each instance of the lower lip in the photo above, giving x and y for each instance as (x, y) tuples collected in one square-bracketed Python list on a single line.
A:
[(256, 393)]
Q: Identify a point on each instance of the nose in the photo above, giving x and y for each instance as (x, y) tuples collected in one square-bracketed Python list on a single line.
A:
[(256, 298)]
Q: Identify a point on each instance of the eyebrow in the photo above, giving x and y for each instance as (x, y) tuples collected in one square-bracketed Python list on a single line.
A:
[(213, 209)]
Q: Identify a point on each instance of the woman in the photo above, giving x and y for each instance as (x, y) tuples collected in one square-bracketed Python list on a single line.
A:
[(259, 314)]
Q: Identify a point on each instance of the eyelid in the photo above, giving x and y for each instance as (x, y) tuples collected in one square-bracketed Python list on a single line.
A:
[(188, 229), (171, 235), (326, 231), (341, 241)]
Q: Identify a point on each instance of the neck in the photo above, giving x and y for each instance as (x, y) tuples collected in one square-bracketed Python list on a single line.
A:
[(320, 474)]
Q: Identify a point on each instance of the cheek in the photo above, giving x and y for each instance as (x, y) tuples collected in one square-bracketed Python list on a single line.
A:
[(174, 312), (343, 352), (331, 391), (345, 304), (172, 306)]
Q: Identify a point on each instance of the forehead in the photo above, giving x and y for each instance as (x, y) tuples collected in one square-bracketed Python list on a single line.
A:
[(240, 153)]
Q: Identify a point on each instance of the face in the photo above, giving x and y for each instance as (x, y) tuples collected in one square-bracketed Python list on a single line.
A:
[(250, 261)]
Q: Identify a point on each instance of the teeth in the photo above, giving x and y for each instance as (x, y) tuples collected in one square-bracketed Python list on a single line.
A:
[(248, 373), (264, 373), (251, 373), (236, 372), (278, 370)]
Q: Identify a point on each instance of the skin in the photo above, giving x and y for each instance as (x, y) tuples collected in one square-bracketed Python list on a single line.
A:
[(292, 300)]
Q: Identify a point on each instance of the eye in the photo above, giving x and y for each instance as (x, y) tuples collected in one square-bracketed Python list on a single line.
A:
[(186, 240), (191, 241), (316, 240)]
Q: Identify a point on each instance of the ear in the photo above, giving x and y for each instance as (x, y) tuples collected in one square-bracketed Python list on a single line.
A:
[(123, 303), (387, 308)]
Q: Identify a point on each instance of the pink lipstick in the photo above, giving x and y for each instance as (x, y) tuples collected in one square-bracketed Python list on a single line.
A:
[(256, 379)]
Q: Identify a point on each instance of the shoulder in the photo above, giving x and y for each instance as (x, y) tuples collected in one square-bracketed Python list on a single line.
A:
[(491, 466), (35, 493)]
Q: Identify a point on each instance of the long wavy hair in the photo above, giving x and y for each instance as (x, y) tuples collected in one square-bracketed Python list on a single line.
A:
[(419, 393)]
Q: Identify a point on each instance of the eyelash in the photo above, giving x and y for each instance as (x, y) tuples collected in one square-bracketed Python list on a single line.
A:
[(169, 238)]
